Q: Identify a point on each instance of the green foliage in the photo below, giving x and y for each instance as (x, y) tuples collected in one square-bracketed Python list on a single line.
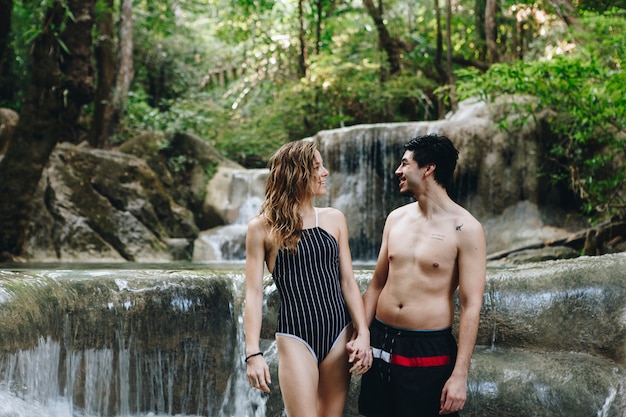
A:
[(15, 73), (343, 94), (602, 6), (584, 95), (181, 44), (248, 141), (195, 114), (166, 68), (605, 37), (265, 104), (251, 141)]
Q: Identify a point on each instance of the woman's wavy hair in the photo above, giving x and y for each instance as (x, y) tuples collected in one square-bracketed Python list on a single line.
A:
[(290, 182)]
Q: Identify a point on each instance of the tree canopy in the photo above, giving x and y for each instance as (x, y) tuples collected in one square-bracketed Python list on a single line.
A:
[(248, 75)]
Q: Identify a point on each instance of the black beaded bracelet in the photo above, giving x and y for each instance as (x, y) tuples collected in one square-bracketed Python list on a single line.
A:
[(253, 355)]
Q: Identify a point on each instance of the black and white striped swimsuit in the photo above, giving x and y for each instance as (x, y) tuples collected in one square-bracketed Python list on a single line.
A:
[(312, 308)]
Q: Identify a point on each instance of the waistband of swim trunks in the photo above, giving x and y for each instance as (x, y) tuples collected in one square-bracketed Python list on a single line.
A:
[(410, 332)]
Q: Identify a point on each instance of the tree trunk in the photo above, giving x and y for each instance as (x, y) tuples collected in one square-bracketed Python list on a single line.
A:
[(6, 7), (125, 64), (479, 20), (115, 73), (516, 37), (62, 82), (101, 126), (320, 13), (6, 86), (388, 43), (491, 9), (302, 64), (318, 27), (449, 71), (566, 11), (438, 61)]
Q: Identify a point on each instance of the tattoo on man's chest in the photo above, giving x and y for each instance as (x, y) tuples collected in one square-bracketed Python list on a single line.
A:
[(458, 228), (437, 236)]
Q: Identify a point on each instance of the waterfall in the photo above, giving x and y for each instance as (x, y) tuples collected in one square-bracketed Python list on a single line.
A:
[(496, 172), (147, 347), (361, 161), (255, 401), (227, 242), (167, 340), (28, 386)]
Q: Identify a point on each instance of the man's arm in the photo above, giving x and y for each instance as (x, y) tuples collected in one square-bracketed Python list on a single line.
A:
[(379, 278), (472, 276)]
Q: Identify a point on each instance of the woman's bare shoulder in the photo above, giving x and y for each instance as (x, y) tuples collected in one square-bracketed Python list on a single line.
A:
[(257, 224), (331, 213), (333, 221)]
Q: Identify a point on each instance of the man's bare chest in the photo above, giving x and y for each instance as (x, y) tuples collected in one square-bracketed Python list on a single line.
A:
[(423, 247)]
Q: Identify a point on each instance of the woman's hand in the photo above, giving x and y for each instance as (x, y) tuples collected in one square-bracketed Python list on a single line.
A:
[(360, 354), (258, 373)]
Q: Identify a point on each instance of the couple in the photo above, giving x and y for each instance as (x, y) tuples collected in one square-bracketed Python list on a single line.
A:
[(397, 337)]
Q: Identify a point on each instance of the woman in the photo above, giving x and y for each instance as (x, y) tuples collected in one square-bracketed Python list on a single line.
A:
[(306, 250)]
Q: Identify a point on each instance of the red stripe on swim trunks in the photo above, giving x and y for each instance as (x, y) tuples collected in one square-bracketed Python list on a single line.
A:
[(420, 362)]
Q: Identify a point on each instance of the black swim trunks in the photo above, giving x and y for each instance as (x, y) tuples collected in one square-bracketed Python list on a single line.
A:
[(409, 371)]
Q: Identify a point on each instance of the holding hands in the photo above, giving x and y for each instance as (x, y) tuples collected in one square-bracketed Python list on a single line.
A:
[(360, 354)]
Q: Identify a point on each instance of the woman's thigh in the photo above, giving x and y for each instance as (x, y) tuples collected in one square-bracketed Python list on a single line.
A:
[(298, 376), (334, 378)]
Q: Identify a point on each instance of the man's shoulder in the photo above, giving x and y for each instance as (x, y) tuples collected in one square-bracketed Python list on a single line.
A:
[(406, 208), (402, 212), (467, 218)]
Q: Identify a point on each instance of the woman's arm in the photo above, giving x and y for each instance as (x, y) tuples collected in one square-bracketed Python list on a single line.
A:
[(360, 354), (257, 369)]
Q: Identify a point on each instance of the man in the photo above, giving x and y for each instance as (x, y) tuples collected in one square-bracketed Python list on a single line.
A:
[(430, 248)]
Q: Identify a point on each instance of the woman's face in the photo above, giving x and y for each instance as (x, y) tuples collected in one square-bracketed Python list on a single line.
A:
[(319, 175)]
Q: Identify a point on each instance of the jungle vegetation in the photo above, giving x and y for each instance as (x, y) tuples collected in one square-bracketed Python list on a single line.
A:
[(248, 75)]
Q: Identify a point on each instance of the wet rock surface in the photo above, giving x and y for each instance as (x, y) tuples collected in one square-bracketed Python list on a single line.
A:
[(552, 339)]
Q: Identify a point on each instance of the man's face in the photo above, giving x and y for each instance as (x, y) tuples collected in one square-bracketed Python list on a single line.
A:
[(408, 174)]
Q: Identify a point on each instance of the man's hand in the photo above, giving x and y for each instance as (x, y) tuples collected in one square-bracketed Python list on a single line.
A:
[(453, 395), (360, 356)]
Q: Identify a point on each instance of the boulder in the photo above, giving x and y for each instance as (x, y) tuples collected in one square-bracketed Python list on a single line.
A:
[(195, 174), (8, 121), (99, 206)]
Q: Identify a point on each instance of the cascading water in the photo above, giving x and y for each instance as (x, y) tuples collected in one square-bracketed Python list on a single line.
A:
[(145, 340), (495, 173), (123, 343), (245, 198), (361, 182), (163, 341)]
